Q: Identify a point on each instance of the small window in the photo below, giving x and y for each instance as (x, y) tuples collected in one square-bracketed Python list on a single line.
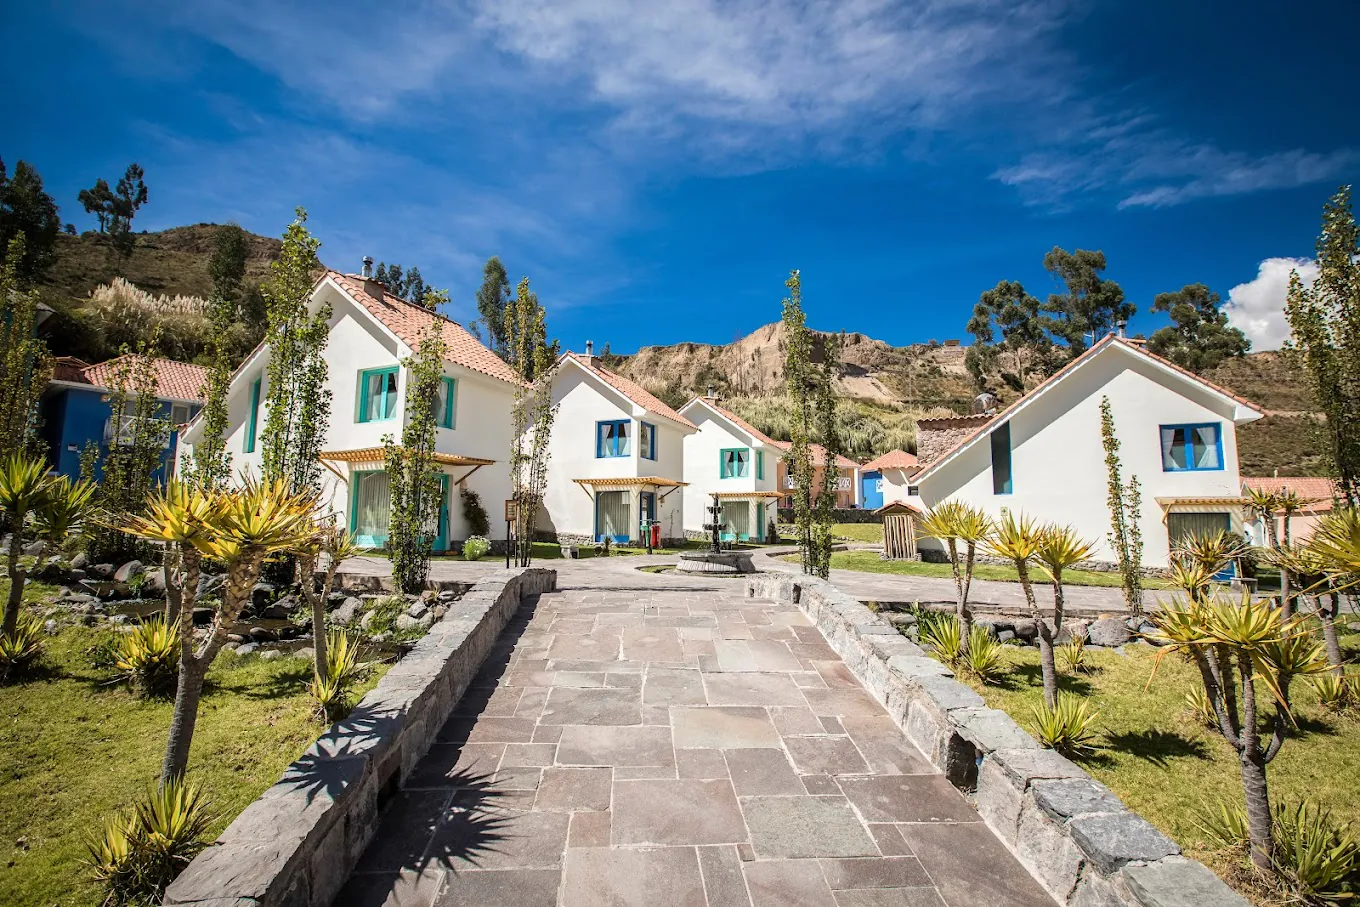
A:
[(760, 464), (252, 423), (734, 463), (1001, 459), (647, 440), (1188, 448), (445, 401), (914, 491), (378, 395), (611, 438), (180, 413)]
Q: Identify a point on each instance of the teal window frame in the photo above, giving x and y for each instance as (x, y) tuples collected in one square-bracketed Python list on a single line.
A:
[(447, 417), (722, 463), (760, 465), (364, 377), (1002, 475), (253, 423), (621, 442), (647, 440)]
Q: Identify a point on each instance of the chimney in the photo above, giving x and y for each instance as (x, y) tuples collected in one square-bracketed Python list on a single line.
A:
[(371, 285), (368, 267), (590, 352), (1120, 327), (712, 393)]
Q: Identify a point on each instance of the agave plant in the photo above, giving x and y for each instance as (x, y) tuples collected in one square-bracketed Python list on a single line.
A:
[(1265, 504), (1068, 726), (1197, 704), (67, 509), (148, 656), (331, 691), (136, 855), (955, 522), (1336, 543), (1214, 551), (1060, 548), (338, 546), (942, 636), (25, 487), (986, 656), (22, 647), (1233, 644), (1336, 692), (1075, 659)]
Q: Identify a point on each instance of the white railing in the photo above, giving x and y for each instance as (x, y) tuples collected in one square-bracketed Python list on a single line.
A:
[(843, 483), (128, 428)]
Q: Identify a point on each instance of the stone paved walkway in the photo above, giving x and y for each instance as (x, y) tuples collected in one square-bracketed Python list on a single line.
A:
[(674, 743)]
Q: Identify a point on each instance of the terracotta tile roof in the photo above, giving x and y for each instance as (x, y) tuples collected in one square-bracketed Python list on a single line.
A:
[(736, 420), (632, 390), (174, 380), (410, 321), (819, 455), (1101, 344), (1315, 488), (893, 459)]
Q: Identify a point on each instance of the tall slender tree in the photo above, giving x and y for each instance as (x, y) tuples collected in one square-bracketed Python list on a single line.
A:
[(1126, 513), (1090, 306), (25, 365), (803, 380), (1325, 322), (298, 405), (493, 302), (27, 209), (532, 357), (1025, 346)]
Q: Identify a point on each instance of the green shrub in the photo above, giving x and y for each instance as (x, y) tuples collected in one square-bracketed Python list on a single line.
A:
[(1069, 727), (479, 524), (1074, 657), (475, 548), (986, 655), (1197, 704), (147, 657), (137, 854), (332, 695), (941, 635), (21, 649), (1337, 692)]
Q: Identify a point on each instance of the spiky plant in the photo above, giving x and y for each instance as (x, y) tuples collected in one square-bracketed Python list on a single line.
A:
[(1068, 726), (1060, 548), (1018, 540), (954, 522), (69, 506), (25, 487), (21, 648), (148, 655), (1265, 504), (1234, 644), (338, 546)]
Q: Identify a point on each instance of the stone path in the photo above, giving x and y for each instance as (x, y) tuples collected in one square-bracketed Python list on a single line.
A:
[(674, 743)]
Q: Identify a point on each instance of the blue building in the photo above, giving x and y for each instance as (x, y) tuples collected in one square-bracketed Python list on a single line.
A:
[(76, 412)]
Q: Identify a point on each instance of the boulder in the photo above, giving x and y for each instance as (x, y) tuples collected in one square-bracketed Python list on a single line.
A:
[(247, 649), (418, 610), (306, 652), (125, 573), (281, 609), (262, 595), (75, 575), (1109, 632), (407, 622), (367, 620), (448, 595), (35, 549), (1025, 628), (155, 582), (289, 631), (899, 619), (210, 584), (235, 638), (101, 571), (270, 654), (1071, 628), (80, 561), (1006, 635), (260, 634), (348, 612), (51, 572)]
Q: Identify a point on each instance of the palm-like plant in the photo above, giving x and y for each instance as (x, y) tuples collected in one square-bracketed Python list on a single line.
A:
[(339, 546), (1233, 644), (68, 508), (1306, 573), (1060, 548), (1018, 540), (1287, 503), (1336, 542), (239, 528), (25, 487), (954, 522), (1265, 504)]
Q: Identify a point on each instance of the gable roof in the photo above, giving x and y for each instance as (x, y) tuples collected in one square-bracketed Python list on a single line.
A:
[(819, 455), (410, 322), (630, 389), (1107, 342), (732, 417), (893, 459), (174, 380), (1320, 490)]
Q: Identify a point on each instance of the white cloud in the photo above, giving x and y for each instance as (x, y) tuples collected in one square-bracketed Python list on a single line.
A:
[(1257, 306)]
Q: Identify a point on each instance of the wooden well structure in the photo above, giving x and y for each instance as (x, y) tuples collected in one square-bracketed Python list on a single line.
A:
[(899, 531)]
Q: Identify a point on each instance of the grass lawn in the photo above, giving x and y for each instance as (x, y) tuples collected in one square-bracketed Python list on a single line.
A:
[(1165, 766), (870, 562), (858, 532), (74, 749)]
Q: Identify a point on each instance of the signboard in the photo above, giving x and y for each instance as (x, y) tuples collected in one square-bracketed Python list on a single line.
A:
[(511, 510)]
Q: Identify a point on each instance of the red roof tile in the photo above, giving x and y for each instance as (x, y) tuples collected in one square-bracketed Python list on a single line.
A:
[(633, 391), (410, 321), (893, 459), (174, 380)]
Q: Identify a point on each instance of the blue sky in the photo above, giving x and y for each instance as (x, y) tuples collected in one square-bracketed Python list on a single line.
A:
[(656, 169)]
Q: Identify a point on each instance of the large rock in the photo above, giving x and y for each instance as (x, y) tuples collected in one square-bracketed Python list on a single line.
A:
[(35, 549), (101, 571), (348, 612), (51, 572), (281, 609), (1110, 632), (407, 622), (262, 595), (80, 561), (203, 616), (419, 609), (210, 584), (155, 582), (260, 634), (125, 573)]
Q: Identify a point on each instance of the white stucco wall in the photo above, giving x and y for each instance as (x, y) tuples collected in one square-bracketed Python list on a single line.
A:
[(1058, 467), (703, 451), (584, 400)]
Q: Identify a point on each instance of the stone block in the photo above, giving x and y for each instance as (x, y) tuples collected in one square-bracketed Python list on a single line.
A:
[(991, 729), (1094, 890), (1051, 855), (1178, 882), (946, 693), (1026, 763), (1062, 799), (1111, 840), (998, 800), (919, 666), (262, 871)]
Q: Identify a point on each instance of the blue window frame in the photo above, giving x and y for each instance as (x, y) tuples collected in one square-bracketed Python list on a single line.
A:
[(611, 438), (378, 394), (760, 465), (647, 440), (1195, 447), (1001, 459), (446, 402), (253, 423), (734, 463)]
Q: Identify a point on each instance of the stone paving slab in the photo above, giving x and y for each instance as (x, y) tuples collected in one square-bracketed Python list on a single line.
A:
[(683, 746)]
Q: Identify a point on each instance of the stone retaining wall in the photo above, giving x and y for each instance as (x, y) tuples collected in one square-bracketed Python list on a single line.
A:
[(296, 845), (1071, 832)]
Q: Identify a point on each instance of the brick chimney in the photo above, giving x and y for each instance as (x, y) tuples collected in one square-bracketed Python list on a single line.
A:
[(371, 285), (590, 352), (936, 437)]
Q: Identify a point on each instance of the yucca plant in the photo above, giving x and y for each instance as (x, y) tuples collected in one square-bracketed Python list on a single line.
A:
[(986, 656), (148, 656), (21, 648), (941, 635), (1233, 644), (1068, 726), (338, 546), (1264, 504), (1073, 655), (25, 487), (1060, 549), (137, 854), (1019, 540), (954, 522), (1336, 692), (331, 691), (66, 510), (1198, 705), (1214, 552)]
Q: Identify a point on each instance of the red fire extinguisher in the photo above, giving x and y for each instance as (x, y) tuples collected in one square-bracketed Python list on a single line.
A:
[(656, 534)]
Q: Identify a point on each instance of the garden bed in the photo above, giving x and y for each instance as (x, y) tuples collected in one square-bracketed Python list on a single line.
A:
[(872, 562)]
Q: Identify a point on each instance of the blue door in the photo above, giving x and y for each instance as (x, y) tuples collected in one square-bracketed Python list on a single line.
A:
[(871, 490)]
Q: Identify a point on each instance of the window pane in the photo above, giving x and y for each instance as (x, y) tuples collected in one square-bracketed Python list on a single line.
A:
[(1174, 449), (743, 463), (1206, 447), (613, 510), (389, 395), (372, 516), (373, 392), (737, 515)]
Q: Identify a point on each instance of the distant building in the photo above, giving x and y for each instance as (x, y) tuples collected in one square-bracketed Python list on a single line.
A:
[(1319, 494), (887, 479), (734, 460)]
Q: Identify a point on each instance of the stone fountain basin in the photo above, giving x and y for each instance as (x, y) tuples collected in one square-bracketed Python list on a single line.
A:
[(707, 562)]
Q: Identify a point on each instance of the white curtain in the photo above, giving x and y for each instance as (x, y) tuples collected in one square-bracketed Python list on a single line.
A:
[(1206, 447), (373, 509), (737, 514), (613, 507), (1169, 449)]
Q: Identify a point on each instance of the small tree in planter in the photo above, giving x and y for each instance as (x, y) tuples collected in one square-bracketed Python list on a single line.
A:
[(1060, 548), (338, 546), (954, 522), (1235, 644)]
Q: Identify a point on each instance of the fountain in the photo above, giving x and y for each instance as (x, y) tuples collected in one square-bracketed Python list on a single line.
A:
[(715, 561)]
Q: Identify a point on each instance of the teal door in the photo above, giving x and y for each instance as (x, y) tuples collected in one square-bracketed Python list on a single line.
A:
[(759, 532), (441, 539)]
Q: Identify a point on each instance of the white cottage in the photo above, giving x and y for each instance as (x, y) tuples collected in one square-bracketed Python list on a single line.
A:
[(1042, 456), (371, 332), (616, 458), (732, 459)]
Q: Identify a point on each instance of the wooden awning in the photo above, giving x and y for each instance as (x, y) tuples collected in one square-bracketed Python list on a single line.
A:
[(1225, 501), (740, 495), (630, 482), (379, 455), (898, 507)]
